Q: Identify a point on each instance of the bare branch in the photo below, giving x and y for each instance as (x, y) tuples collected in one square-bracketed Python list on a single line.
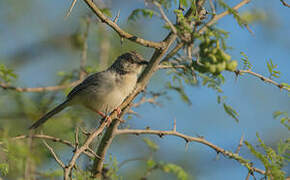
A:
[(285, 4), (51, 138), (70, 9), (39, 89), (240, 144), (237, 72), (54, 154), (84, 54), (163, 15), (263, 78), (189, 139), (84, 147), (121, 32), (221, 15), (117, 17)]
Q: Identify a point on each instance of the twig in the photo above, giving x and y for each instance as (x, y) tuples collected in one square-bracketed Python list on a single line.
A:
[(285, 4), (76, 138), (263, 78), (174, 125), (221, 15), (237, 72), (38, 89), (80, 150), (130, 160), (117, 17), (146, 100), (121, 32), (70, 9), (240, 144), (84, 54), (163, 15), (54, 154), (51, 138), (212, 8), (189, 139)]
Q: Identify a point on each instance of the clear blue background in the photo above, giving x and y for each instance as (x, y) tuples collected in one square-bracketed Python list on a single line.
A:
[(21, 26)]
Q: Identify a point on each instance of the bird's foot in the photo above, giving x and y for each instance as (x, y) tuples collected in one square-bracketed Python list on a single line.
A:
[(119, 111), (106, 118)]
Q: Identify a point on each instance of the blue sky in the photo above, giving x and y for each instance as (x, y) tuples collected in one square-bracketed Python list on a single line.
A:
[(254, 100)]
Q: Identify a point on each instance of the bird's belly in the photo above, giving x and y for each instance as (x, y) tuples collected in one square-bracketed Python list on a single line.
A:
[(105, 103)]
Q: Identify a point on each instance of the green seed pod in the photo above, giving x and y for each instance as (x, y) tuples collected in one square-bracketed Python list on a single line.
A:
[(212, 68), (207, 40), (215, 50), (226, 56), (232, 65), (207, 64), (212, 58), (220, 67)]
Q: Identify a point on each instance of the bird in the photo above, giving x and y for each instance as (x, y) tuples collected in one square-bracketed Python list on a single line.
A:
[(103, 91)]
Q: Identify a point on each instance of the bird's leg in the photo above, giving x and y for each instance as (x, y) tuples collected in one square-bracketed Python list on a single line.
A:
[(119, 111), (107, 118)]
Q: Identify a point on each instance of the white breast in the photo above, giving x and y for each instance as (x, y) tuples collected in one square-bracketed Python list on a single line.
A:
[(109, 94)]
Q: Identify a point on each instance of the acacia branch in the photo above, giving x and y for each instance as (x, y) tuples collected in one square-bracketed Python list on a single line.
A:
[(191, 139), (163, 15), (38, 89), (121, 32), (54, 154), (285, 4), (263, 78), (221, 15), (237, 72), (89, 152), (125, 106), (81, 149)]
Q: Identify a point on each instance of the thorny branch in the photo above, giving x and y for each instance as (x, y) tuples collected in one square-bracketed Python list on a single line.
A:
[(237, 72), (189, 139), (39, 89), (285, 4), (81, 149), (263, 78), (54, 154), (163, 15), (89, 152), (161, 49), (121, 32)]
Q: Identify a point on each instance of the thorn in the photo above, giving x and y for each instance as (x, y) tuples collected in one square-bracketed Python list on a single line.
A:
[(186, 146), (240, 144), (121, 41), (117, 17), (174, 125), (70, 9)]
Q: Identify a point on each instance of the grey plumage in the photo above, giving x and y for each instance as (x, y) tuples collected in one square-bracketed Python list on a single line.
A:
[(103, 91)]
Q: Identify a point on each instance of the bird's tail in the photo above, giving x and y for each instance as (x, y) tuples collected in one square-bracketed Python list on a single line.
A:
[(48, 115)]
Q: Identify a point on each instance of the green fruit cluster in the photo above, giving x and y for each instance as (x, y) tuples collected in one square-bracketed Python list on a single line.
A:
[(213, 59)]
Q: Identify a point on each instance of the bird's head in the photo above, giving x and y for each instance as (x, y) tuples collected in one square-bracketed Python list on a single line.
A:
[(130, 62)]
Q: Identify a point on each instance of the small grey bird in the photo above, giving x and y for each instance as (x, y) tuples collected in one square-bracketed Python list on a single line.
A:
[(103, 91)]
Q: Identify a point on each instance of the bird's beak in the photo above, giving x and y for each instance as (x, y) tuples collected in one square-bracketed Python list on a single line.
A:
[(143, 63)]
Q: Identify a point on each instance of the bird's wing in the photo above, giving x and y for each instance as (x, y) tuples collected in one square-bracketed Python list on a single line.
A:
[(92, 80)]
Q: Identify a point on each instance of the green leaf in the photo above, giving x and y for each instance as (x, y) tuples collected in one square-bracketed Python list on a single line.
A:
[(107, 12), (150, 163), (246, 62), (272, 69), (6, 73), (4, 169), (230, 111), (152, 145), (175, 169), (146, 13)]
